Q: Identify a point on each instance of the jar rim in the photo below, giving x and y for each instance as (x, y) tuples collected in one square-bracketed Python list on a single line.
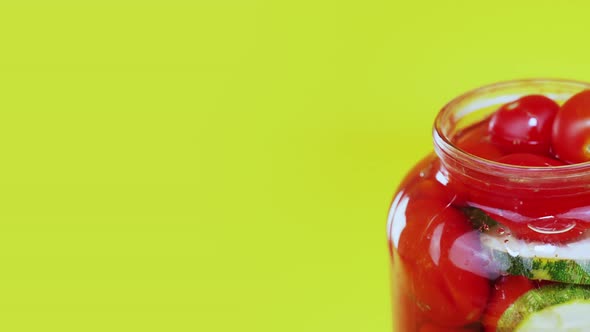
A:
[(444, 146)]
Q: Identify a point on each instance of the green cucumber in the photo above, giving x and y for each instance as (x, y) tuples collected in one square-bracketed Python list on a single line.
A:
[(567, 263), (479, 219), (557, 307)]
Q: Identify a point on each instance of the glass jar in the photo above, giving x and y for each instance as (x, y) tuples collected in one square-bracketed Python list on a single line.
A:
[(455, 266)]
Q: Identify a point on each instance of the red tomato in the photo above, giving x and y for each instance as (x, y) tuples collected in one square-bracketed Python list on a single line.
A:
[(408, 315), (476, 141), (428, 327), (524, 125), (529, 159), (441, 252), (424, 169), (430, 189), (420, 184), (505, 292), (571, 129)]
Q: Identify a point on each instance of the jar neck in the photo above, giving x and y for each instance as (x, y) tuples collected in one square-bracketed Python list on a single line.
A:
[(497, 178), (503, 179)]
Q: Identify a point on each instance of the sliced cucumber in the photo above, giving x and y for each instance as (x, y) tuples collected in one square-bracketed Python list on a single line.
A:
[(479, 219), (555, 307), (568, 263), (569, 316)]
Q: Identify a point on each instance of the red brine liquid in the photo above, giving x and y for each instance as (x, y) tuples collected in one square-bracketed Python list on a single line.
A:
[(498, 216)]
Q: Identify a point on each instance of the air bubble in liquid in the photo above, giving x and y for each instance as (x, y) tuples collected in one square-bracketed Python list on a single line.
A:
[(552, 227)]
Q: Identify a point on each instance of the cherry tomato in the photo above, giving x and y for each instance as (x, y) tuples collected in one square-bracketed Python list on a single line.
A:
[(430, 189), (529, 159), (571, 129), (505, 292), (524, 125), (421, 183), (424, 169), (429, 327), (476, 141), (408, 315), (443, 258)]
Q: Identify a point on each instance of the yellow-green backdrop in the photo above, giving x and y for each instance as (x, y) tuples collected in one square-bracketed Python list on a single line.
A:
[(226, 165)]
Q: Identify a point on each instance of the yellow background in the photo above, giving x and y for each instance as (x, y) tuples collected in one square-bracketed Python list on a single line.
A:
[(227, 165)]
